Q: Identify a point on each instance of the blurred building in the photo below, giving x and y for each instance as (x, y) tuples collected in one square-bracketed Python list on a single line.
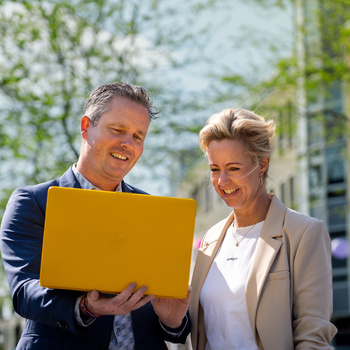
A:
[(11, 324), (321, 177), (309, 169)]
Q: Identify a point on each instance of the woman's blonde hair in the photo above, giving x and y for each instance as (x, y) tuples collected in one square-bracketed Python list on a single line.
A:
[(240, 124)]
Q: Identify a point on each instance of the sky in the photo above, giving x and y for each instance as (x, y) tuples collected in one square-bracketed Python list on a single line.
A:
[(242, 38)]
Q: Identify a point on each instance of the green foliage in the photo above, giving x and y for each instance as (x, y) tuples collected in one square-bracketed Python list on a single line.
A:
[(327, 68), (270, 3), (53, 53)]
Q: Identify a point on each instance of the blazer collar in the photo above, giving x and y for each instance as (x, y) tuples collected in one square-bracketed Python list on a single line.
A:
[(126, 187), (271, 229), (274, 220), (268, 246), (68, 179)]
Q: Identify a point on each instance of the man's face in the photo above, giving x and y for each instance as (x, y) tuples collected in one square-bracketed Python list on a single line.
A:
[(113, 146)]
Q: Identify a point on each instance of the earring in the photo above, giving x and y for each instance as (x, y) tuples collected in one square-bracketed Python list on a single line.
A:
[(260, 181)]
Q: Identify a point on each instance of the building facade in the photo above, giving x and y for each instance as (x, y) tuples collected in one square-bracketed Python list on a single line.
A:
[(309, 168)]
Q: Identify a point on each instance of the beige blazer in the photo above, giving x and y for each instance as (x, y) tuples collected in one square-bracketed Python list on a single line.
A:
[(289, 287)]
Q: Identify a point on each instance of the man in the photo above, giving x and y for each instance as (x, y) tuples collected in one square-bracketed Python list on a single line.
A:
[(113, 128)]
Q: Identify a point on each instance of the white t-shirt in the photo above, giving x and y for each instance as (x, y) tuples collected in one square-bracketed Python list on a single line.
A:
[(223, 296)]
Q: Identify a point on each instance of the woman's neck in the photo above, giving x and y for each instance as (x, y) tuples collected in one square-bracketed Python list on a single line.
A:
[(253, 214)]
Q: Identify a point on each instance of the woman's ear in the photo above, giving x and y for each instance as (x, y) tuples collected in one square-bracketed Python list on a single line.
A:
[(264, 164)]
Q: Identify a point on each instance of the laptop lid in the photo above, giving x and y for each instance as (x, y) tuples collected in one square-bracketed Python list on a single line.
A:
[(101, 240)]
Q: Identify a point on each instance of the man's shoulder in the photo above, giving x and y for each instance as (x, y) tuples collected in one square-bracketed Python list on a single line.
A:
[(39, 191), (34, 190), (43, 186), (65, 181)]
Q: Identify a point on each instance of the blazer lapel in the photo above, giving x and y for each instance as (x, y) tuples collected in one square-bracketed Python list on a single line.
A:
[(206, 255), (126, 187), (68, 179), (266, 250)]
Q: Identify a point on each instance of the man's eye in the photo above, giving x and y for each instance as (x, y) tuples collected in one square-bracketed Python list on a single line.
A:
[(137, 137)]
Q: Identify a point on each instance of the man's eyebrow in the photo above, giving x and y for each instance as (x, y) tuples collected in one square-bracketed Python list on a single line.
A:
[(121, 125), (124, 126)]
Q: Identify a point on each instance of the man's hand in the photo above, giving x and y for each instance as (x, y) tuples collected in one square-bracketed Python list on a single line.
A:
[(172, 311), (123, 303)]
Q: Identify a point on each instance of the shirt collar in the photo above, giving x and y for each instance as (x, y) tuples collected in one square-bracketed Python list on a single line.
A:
[(86, 184)]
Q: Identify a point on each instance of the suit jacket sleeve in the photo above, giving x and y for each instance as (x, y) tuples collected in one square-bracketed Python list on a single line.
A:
[(21, 240), (312, 300), (21, 244)]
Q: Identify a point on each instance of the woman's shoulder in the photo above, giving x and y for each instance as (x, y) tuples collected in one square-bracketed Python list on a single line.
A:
[(304, 228), (292, 224), (215, 231), (290, 217), (297, 218)]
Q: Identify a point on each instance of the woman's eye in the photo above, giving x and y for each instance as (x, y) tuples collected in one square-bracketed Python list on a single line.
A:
[(214, 170)]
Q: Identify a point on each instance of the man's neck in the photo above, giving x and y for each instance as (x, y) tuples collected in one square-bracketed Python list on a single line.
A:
[(87, 182)]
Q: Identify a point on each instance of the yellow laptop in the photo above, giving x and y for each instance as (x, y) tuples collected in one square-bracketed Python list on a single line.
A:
[(105, 240)]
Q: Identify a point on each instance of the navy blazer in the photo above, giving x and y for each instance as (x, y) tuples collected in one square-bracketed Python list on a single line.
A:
[(49, 313)]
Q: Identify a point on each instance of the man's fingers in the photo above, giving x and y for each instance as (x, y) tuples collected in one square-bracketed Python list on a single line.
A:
[(93, 295), (138, 294), (126, 293), (128, 300)]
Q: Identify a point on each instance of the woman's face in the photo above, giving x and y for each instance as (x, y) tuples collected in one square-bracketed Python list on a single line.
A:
[(233, 174)]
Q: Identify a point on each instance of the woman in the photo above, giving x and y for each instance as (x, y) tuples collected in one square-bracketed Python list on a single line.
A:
[(263, 276)]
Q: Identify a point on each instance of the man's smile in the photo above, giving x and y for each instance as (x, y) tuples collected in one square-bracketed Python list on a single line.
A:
[(119, 156)]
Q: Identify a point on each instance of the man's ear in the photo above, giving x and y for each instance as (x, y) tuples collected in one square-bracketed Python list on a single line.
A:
[(84, 125)]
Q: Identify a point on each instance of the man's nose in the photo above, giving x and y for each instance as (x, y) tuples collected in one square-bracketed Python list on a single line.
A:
[(127, 141)]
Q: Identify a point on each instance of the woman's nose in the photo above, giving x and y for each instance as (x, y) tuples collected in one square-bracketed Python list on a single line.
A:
[(223, 178)]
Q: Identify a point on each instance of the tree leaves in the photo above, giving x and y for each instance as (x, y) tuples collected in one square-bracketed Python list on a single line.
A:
[(53, 53)]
